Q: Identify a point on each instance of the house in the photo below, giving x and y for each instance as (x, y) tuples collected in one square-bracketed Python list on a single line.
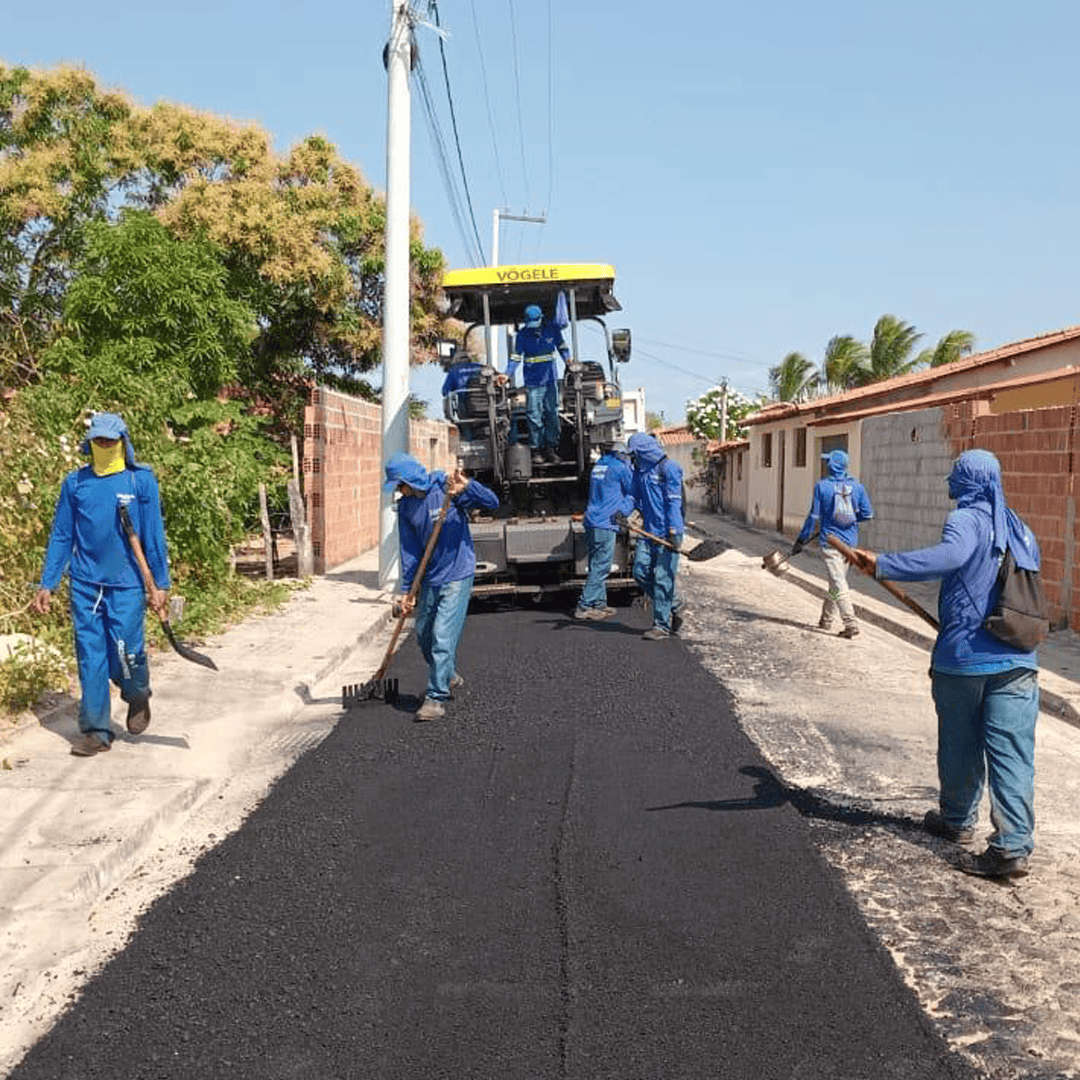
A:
[(1018, 401)]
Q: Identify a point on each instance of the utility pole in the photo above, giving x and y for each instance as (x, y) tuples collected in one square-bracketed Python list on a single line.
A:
[(497, 216), (723, 410), (397, 58)]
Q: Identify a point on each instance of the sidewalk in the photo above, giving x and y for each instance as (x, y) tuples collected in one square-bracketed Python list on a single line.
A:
[(89, 842)]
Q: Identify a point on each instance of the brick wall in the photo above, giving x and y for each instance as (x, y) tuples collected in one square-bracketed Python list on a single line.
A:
[(343, 471)]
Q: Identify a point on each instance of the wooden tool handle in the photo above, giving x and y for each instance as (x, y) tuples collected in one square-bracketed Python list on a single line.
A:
[(888, 585)]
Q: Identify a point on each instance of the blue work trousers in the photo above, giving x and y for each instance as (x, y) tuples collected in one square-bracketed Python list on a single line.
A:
[(655, 568), (542, 415), (109, 646), (440, 619), (601, 547), (986, 728)]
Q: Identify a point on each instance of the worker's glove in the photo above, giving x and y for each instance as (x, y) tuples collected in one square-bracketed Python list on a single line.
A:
[(796, 547)]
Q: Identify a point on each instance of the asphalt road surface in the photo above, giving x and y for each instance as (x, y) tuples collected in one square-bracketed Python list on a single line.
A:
[(585, 871)]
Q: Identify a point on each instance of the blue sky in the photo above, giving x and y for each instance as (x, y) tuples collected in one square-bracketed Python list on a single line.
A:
[(763, 175)]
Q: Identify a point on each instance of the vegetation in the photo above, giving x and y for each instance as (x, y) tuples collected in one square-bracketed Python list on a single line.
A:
[(165, 264), (849, 363), (704, 413)]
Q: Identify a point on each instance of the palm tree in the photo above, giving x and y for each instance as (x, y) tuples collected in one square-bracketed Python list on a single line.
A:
[(844, 362), (952, 346), (890, 350), (793, 379)]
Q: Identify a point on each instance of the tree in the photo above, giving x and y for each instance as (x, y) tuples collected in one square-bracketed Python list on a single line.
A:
[(703, 414), (653, 420), (794, 378), (952, 346), (890, 350), (300, 236), (844, 362)]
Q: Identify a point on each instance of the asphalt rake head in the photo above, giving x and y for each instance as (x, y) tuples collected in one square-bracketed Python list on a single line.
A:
[(373, 690)]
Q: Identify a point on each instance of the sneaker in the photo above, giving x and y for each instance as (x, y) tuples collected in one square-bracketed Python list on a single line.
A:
[(138, 717), (657, 633), (849, 632), (537, 457), (431, 710), (825, 624), (89, 745), (456, 681), (593, 613), (993, 864), (936, 825)]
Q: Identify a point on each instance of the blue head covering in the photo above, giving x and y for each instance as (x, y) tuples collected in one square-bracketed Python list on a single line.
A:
[(533, 316), (646, 450), (405, 469), (108, 425), (838, 462), (976, 478)]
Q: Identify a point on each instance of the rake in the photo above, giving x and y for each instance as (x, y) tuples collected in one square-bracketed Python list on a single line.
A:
[(378, 687)]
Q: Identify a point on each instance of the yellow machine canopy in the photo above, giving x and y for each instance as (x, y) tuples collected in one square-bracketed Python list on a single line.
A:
[(509, 289)]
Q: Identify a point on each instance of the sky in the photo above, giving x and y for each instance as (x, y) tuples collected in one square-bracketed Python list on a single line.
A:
[(762, 174)]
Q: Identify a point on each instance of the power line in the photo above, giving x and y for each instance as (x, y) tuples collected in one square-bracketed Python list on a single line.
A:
[(487, 103), (457, 141), (517, 95), (712, 380), (706, 352)]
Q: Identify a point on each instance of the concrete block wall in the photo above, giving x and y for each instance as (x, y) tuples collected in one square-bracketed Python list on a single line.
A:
[(343, 471)]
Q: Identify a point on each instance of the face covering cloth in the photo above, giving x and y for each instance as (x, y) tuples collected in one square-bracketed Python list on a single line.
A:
[(107, 459)]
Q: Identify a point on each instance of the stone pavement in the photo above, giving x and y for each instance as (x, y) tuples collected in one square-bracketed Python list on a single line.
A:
[(89, 843)]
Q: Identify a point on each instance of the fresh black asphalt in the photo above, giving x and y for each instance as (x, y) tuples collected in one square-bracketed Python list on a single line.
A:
[(583, 872)]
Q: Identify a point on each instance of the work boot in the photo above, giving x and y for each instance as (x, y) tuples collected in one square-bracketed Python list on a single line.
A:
[(537, 457), (677, 620), (138, 717), (431, 710), (595, 614), (936, 825), (89, 745), (825, 624), (993, 864), (849, 632), (657, 633), (456, 681)]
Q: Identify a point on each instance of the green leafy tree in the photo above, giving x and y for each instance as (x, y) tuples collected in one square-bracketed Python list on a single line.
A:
[(653, 420), (890, 350), (704, 413), (844, 363), (794, 378), (954, 345)]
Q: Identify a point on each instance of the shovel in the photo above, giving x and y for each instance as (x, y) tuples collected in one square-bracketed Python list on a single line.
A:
[(378, 687), (148, 583), (706, 549), (894, 589)]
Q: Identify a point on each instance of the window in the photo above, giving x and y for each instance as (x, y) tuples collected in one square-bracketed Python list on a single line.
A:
[(766, 450), (800, 448)]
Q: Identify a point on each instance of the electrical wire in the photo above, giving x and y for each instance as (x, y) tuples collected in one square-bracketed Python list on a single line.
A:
[(487, 103), (712, 354), (434, 9), (517, 95)]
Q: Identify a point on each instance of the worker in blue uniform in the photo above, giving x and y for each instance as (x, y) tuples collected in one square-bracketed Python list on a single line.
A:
[(108, 598), (658, 494), (443, 599), (611, 493), (538, 346), (986, 692)]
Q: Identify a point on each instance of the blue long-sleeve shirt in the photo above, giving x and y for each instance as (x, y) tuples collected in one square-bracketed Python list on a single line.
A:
[(967, 565), (87, 537), (821, 510), (611, 492), (538, 346), (453, 557), (658, 485)]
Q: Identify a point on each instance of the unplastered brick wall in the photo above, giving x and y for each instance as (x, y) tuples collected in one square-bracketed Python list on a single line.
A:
[(343, 471), (907, 456)]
